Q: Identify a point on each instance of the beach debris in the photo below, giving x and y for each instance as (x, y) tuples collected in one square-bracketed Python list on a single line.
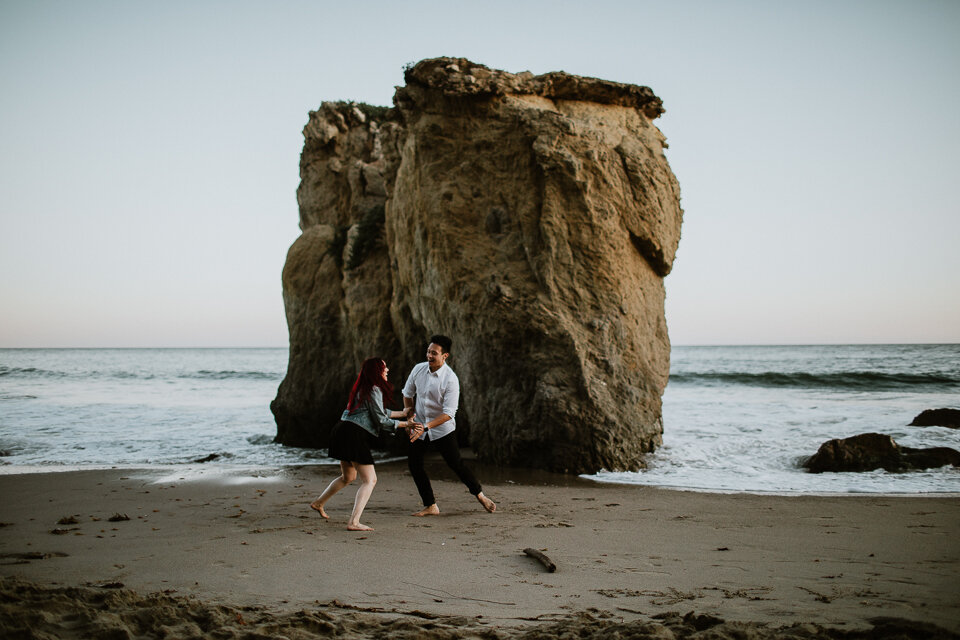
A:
[(842, 592), (671, 596), (59, 532), (440, 593), (118, 517), (209, 458), (108, 585), (542, 558), (336, 604), (68, 520), (747, 593), (33, 555)]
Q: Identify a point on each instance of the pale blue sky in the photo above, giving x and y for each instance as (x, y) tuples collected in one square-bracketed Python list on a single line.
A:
[(149, 155)]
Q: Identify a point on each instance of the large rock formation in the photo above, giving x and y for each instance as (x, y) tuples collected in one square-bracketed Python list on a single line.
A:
[(530, 218)]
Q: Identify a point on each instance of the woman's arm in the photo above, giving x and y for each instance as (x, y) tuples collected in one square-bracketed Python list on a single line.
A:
[(388, 419), (378, 414)]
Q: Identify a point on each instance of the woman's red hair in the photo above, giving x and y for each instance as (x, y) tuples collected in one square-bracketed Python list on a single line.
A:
[(370, 376)]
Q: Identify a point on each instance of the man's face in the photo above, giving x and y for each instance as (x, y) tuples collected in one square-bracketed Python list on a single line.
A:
[(435, 356)]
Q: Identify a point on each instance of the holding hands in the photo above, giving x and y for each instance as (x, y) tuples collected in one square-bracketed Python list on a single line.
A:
[(414, 428)]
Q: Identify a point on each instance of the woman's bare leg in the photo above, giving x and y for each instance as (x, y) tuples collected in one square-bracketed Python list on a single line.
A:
[(368, 480), (347, 474)]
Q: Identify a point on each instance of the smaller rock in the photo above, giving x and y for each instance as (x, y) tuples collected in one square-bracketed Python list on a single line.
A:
[(865, 452), (869, 451), (937, 418)]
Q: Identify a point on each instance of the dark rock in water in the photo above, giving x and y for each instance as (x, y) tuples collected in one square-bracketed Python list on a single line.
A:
[(864, 452), (869, 451), (938, 418), (530, 218), (209, 458), (930, 458)]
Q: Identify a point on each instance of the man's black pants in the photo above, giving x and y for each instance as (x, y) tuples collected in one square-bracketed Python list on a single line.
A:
[(447, 446)]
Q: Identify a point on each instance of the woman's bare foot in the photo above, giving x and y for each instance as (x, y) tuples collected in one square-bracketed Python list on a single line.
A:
[(319, 508), (358, 527), (432, 510), (487, 503)]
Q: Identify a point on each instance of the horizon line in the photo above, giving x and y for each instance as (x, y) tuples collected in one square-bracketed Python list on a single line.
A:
[(696, 344)]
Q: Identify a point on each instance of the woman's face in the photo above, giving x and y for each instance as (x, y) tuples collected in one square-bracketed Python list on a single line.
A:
[(386, 370)]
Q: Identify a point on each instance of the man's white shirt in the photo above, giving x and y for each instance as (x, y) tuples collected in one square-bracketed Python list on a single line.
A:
[(436, 392)]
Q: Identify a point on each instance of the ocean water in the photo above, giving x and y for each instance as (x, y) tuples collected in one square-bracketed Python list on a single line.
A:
[(140, 407), (735, 418), (743, 419)]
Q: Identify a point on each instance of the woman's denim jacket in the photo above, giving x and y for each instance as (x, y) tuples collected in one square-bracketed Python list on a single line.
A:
[(371, 415)]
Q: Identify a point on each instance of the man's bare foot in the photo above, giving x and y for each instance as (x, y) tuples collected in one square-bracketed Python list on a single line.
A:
[(358, 527), (432, 510), (487, 503), (319, 508)]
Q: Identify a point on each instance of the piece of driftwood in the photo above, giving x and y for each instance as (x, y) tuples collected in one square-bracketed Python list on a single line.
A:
[(544, 560)]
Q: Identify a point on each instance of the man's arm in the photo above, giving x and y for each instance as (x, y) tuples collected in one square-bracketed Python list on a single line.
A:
[(436, 422)]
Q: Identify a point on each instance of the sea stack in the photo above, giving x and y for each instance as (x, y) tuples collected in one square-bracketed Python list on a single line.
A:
[(530, 218)]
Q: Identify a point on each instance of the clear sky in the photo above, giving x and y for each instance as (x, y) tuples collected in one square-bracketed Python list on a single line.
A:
[(149, 155)]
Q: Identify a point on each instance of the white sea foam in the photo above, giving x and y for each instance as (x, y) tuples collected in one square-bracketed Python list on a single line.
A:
[(230, 475)]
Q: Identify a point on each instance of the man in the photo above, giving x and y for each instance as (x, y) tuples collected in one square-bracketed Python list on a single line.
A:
[(433, 391)]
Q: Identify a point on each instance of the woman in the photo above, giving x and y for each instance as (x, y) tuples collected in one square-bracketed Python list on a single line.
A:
[(351, 439)]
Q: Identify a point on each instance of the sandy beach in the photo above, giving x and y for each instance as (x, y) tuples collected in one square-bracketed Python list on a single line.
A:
[(211, 553)]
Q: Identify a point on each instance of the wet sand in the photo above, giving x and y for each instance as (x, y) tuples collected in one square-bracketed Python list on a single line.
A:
[(241, 552)]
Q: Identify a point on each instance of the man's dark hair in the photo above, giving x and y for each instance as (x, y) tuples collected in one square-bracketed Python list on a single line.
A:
[(443, 342)]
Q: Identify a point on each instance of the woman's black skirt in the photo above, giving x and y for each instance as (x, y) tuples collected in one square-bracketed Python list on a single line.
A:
[(351, 443)]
